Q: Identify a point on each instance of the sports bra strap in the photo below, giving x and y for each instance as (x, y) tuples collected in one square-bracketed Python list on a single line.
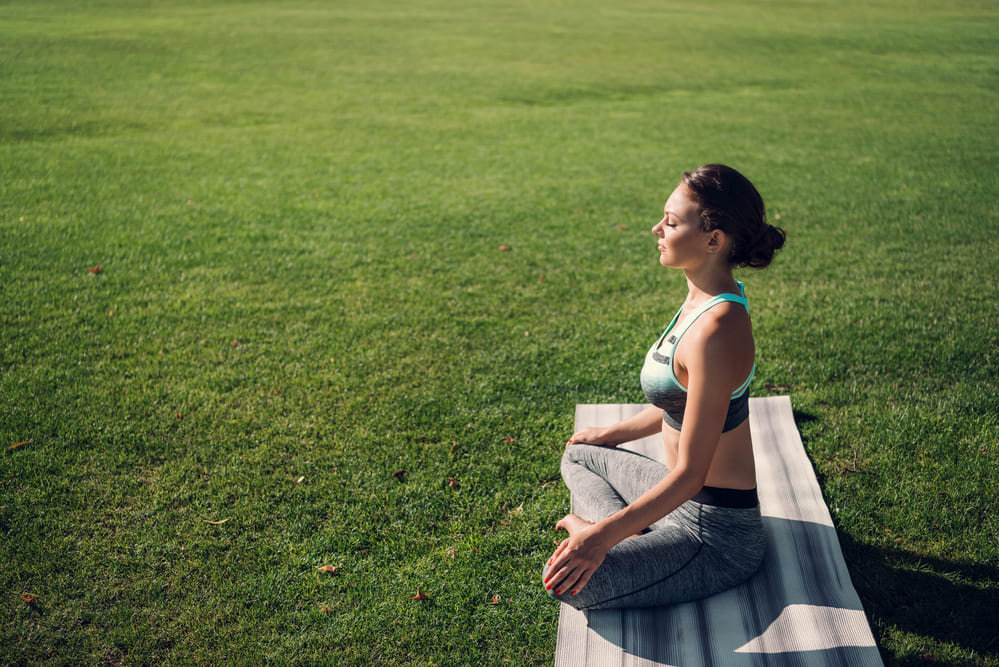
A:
[(707, 305), (714, 301)]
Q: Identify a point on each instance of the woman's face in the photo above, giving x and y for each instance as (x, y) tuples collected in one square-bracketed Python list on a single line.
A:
[(682, 244)]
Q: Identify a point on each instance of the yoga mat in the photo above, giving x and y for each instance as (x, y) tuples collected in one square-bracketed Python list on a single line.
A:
[(800, 609)]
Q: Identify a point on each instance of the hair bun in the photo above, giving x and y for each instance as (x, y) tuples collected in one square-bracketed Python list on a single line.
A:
[(761, 249), (731, 203)]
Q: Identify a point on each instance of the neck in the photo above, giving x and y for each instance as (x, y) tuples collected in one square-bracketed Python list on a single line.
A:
[(709, 282)]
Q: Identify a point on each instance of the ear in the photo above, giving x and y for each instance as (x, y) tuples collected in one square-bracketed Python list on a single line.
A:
[(716, 241)]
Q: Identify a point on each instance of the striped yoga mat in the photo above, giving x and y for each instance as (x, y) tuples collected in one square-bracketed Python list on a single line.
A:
[(800, 609)]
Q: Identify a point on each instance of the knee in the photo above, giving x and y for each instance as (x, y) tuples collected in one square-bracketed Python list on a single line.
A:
[(576, 455), (569, 454), (550, 591), (569, 460)]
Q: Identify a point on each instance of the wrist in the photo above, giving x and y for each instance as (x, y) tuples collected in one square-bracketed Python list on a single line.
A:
[(608, 438), (619, 526), (605, 533)]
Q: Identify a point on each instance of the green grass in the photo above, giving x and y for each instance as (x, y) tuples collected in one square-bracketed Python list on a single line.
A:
[(297, 209)]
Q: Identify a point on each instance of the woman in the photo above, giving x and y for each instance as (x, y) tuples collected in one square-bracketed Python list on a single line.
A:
[(649, 534)]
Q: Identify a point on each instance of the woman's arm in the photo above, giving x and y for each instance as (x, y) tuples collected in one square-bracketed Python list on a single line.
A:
[(712, 363), (645, 423)]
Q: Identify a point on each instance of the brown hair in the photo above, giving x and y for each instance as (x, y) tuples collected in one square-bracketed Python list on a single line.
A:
[(729, 202)]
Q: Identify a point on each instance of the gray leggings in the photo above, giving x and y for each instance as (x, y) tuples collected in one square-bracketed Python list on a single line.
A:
[(697, 550)]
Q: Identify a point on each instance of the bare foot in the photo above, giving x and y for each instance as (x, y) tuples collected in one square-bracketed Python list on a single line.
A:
[(572, 523)]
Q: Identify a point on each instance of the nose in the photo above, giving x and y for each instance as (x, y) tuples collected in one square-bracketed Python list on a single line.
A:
[(658, 228)]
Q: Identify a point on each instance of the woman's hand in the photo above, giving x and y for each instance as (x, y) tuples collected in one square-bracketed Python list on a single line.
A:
[(592, 436), (576, 558), (640, 425)]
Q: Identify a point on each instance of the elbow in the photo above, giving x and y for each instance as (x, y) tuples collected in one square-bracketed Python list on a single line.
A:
[(690, 481)]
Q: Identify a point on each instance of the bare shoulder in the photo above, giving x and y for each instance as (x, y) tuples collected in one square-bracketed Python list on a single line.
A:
[(722, 324), (722, 340)]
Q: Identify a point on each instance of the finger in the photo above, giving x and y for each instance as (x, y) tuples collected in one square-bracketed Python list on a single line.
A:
[(568, 583), (583, 578), (581, 582), (559, 566), (560, 549), (553, 570), (551, 566), (566, 552), (555, 575)]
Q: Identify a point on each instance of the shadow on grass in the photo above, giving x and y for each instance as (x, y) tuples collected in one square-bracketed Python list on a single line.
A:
[(944, 601), (801, 417), (949, 602)]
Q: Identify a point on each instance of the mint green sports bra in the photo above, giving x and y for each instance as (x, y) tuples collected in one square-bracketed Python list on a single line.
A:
[(659, 382)]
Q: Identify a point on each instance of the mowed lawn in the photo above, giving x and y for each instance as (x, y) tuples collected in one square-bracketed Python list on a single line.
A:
[(289, 285)]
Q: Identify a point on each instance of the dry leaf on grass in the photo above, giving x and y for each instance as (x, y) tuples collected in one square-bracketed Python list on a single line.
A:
[(453, 483), (420, 596), (28, 597), (20, 444), (216, 523), (399, 474), (327, 568), (495, 600)]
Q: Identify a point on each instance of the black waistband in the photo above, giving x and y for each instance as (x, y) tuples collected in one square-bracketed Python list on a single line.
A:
[(734, 498)]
